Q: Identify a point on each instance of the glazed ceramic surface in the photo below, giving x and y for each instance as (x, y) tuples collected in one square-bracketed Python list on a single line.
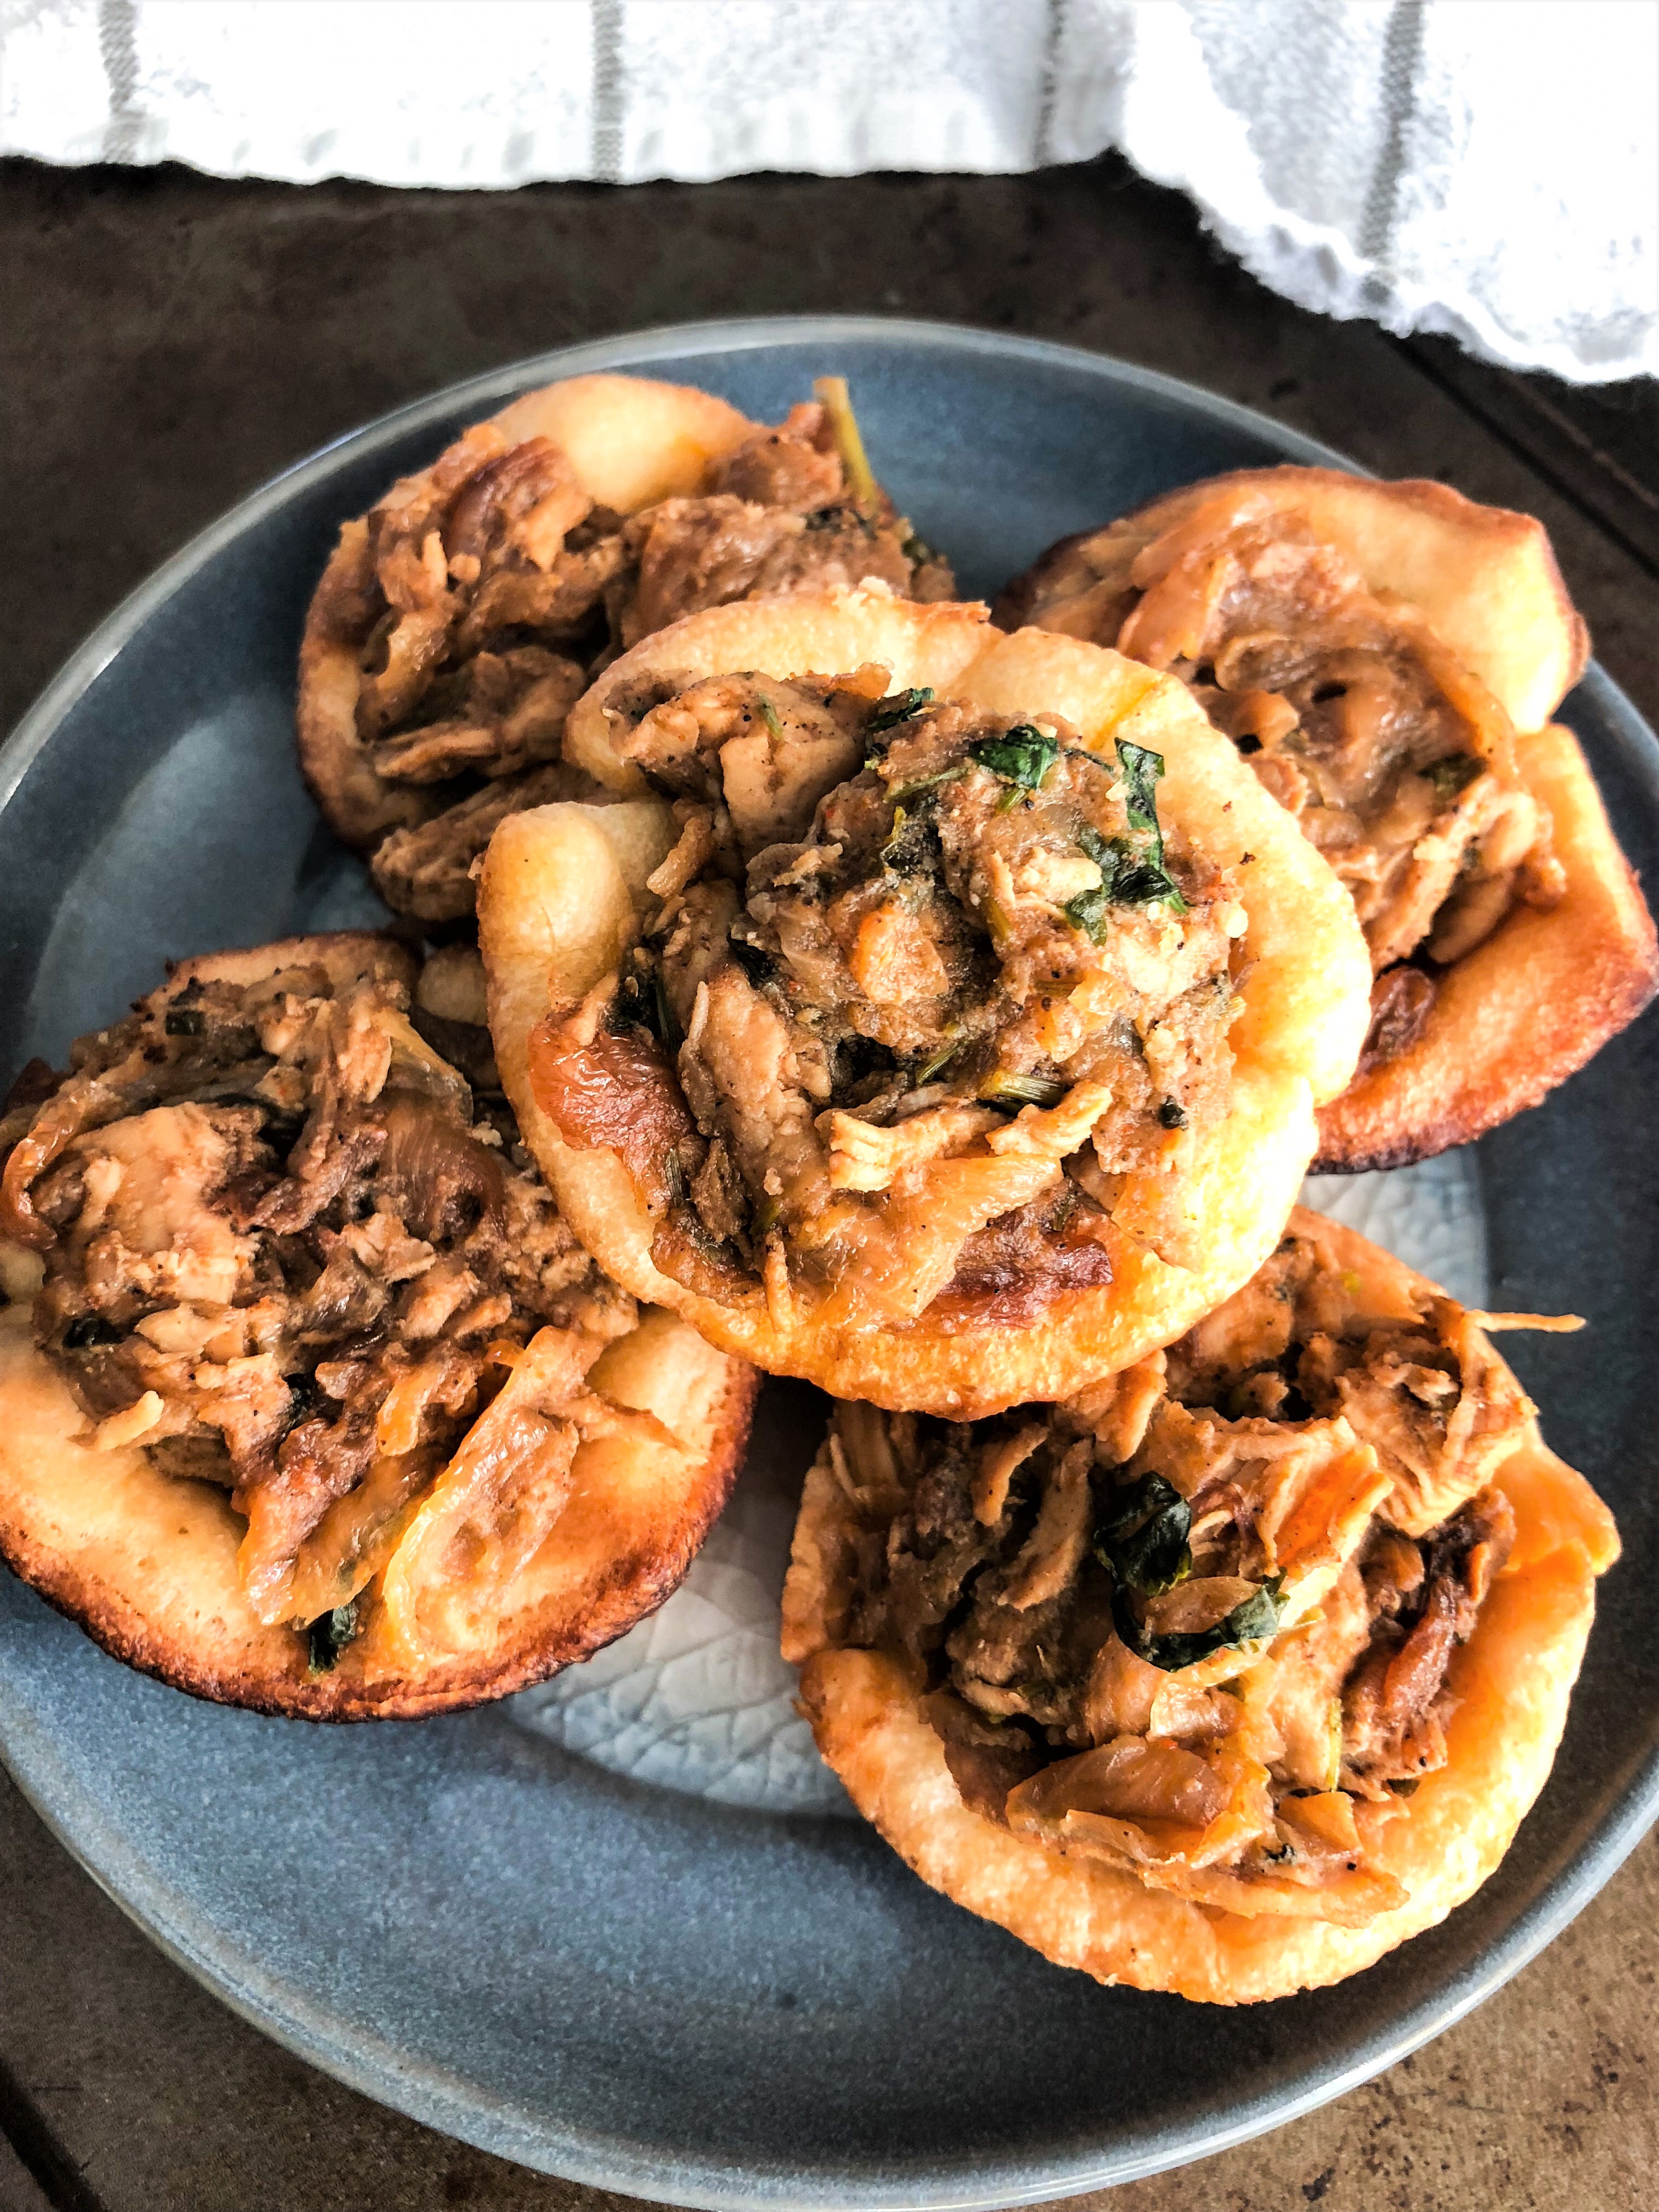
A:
[(625, 1928)]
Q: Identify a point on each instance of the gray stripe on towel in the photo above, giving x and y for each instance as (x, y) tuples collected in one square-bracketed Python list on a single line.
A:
[(1402, 49)]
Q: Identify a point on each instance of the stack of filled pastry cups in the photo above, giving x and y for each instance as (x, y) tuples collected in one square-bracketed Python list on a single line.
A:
[(569, 890), (564, 896)]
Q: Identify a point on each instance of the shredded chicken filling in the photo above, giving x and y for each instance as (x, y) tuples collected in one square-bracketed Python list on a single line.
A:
[(488, 591), (1199, 1622), (285, 1253), (932, 1010), (1396, 762)]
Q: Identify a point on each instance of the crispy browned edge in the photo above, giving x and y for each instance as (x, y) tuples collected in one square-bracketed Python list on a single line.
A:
[(1014, 602), (1520, 1013), (280, 1682), (1513, 1679), (635, 1586)]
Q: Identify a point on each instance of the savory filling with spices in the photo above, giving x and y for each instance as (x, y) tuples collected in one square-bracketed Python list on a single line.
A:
[(1198, 1622), (489, 591), (932, 1010), (286, 1252), (1397, 764)]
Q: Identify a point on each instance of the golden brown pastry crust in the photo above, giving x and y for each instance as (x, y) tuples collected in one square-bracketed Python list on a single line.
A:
[(561, 898), (147, 1564), (1487, 578), (1513, 1679), (1538, 998), (1526, 1009), (629, 439)]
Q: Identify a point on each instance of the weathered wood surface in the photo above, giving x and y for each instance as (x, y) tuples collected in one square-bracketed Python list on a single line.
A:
[(171, 342)]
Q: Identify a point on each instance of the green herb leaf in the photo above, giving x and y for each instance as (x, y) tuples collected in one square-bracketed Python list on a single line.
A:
[(1091, 912), (1143, 771), (1130, 874), (1126, 879), (1250, 1620), (1022, 756), (1004, 1089), (1453, 773), (328, 1637), (931, 1066), (769, 714), (891, 711), (928, 782), (1142, 1536), (831, 394)]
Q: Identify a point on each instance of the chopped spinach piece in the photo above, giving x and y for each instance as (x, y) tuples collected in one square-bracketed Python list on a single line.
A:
[(87, 1331), (1022, 756), (328, 1637), (1252, 1619), (1006, 1089), (1128, 877), (1142, 771), (891, 711), (1142, 1536), (1131, 874), (1453, 773), (1172, 1115), (185, 1021)]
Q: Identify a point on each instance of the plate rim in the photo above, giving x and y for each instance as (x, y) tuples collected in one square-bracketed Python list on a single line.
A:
[(465, 2108)]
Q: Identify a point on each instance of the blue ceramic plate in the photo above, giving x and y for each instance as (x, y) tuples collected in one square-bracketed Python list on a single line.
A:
[(721, 2004)]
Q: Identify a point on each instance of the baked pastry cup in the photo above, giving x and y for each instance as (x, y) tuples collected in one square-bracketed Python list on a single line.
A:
[(309, 1400), (1232, 1674), (1375, 649), (458, 621), (932, 1080)]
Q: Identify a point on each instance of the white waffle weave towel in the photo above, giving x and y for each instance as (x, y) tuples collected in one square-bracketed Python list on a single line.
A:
[(1484, 168)]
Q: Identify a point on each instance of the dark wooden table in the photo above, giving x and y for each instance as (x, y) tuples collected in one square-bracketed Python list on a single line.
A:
[(171, 342)]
